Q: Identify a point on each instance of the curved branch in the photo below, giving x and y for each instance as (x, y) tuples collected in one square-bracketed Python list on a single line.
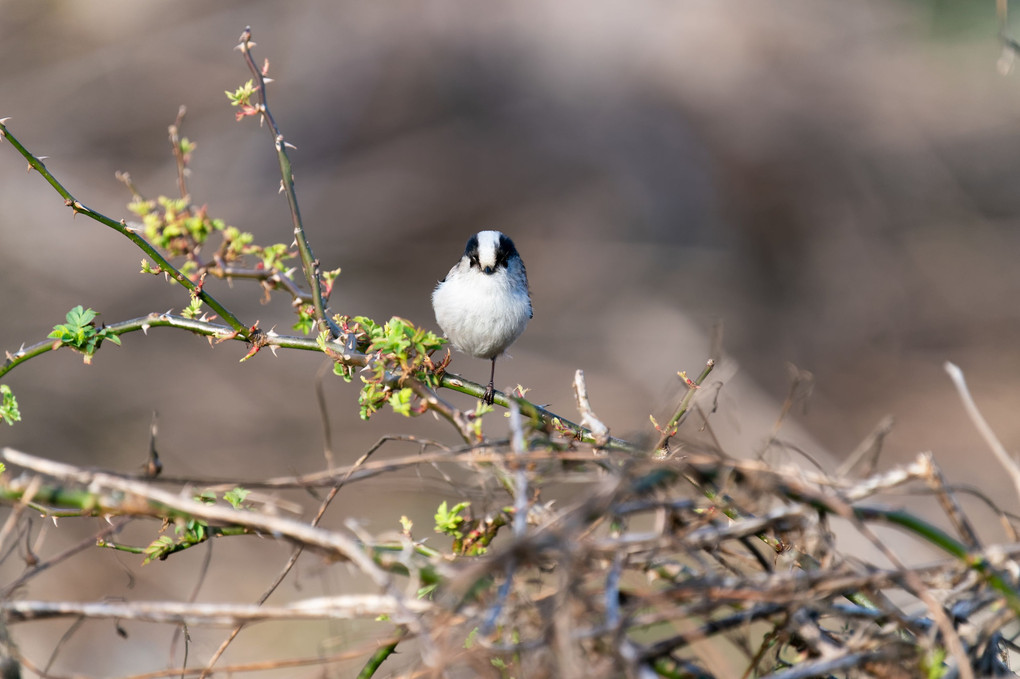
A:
[(215, 331), (338, 353), (121, 227)]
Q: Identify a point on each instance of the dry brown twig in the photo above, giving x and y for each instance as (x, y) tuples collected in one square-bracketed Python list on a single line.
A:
[(986, 431), (658, 556), (572, 589)]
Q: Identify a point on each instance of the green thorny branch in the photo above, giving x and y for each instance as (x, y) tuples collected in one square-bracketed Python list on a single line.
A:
[(309, 263), (396, 355), (35, 163)]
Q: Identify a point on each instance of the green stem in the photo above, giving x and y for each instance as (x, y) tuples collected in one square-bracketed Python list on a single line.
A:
[(183, 544), (532, 410), (947, 543), (309, 263), (196, 326), (122, 228), (380, 655), (685, 404)]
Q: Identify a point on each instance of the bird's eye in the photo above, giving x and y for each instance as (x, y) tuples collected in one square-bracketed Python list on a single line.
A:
[(474, 261)]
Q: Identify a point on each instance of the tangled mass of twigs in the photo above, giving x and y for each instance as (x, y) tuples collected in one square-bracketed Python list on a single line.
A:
[(675, 561), (680, 566)]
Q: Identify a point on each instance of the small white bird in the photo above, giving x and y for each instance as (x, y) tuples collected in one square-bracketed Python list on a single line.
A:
[(484, 303)]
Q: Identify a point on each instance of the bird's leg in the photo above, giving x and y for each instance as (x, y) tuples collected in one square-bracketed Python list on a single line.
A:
[(490, 391)]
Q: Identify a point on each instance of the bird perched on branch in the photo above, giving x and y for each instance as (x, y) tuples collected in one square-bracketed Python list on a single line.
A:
[(484, 303)]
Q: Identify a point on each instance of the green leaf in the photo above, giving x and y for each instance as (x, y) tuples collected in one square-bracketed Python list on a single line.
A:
[(403, 350), (193, 310), (400, 401), (236, 496), (158, 549), (9, 412), (306, 319), (241, 95), (80, 317), (80, 332), (448, 521)]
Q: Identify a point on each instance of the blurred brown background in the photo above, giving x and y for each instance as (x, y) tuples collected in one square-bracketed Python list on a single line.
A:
[(833, 182)]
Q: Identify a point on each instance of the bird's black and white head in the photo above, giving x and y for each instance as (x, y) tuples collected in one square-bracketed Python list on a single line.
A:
[(490, 251), (484, 303)]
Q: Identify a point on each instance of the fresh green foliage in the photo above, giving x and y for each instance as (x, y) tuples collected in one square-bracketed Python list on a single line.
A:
[(160, 548), (241, 98), (237, 243), (236, 497), (80, 332), (193, 310), (191, 532), (401, 351), (481, 408), (471, 536), (207, 497), (186, 147), (181, 229), (172, 225), (9, 412), (401, 401), (933, 663), (328, 280), (306, 319), (449, 520)]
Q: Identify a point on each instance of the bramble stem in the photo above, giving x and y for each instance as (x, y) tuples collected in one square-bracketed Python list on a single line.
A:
[(384, 651), (122, 228), (199, 327), (531, 410), (309, 264), (685, 404)]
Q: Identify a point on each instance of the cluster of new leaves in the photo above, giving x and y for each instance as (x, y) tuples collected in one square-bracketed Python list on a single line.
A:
[(81, 334), (400, 350), (9, 412), (191, 531), (241, 97), (471, 536), (180, 229)]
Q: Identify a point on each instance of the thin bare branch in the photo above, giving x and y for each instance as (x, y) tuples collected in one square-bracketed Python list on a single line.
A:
[(1004, 458), (344, 607)]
